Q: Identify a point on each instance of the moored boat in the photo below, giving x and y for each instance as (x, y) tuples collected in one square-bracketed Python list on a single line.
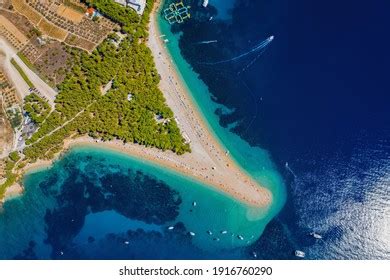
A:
[(316, 235), (299, 254)]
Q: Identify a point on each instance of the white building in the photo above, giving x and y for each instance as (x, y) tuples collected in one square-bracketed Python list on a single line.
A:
[(137, 5)]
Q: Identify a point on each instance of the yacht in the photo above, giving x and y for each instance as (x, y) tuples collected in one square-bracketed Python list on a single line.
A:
[(171, 227), (192, 233), (205, 3), (299, 254), (316, 235)]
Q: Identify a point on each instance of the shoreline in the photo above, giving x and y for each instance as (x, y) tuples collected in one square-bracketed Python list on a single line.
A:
[(203, 130), (208, 162)]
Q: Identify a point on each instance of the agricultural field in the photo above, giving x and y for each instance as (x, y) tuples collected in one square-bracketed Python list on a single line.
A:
[(69, 17), (51, 30), (48, 29), (70, 14), (20, 21), (80, 42), (8, 98), (12, 33), (6, 133), (21, 7), (8, 93)]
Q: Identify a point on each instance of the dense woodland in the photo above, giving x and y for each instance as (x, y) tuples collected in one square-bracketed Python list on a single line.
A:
[(127, 111), (83, 108), (36, 107)]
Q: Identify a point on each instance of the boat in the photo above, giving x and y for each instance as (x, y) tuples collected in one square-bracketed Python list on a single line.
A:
[(205, 3), (209, 232), (254, 254), (240, 237), (223, 231), (316, 235), (171, 227), (192, 233), (127, 242), (299, 254), (194, 203)]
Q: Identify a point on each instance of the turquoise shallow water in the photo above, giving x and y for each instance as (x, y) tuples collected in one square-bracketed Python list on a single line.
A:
[(254, 160), (92, 198), (100, 204), (309, 99)]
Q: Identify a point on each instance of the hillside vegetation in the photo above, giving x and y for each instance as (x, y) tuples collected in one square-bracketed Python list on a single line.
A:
[(127, 110)]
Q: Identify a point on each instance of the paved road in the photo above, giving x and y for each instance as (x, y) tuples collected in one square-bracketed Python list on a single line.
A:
[(8, 53)]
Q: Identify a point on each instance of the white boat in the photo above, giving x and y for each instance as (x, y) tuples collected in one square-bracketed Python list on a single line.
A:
[(205, 3), (254, 254), (223, 231), (194, 203), (316, 235), (240, 237), (209, 232), (192, 233), (299, 254), (127, 242), (171, 227)]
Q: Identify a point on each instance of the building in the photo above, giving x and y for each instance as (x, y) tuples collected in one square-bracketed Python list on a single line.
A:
[(91, 12), (137, 5)]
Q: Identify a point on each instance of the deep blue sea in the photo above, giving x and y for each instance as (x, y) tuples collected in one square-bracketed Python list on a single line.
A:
[(305, 113), (317, 99)]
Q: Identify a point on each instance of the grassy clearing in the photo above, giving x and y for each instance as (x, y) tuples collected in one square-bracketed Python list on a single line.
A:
[(21, 72)]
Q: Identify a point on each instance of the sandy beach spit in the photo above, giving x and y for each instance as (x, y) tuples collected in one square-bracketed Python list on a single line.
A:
[(208, 162)]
